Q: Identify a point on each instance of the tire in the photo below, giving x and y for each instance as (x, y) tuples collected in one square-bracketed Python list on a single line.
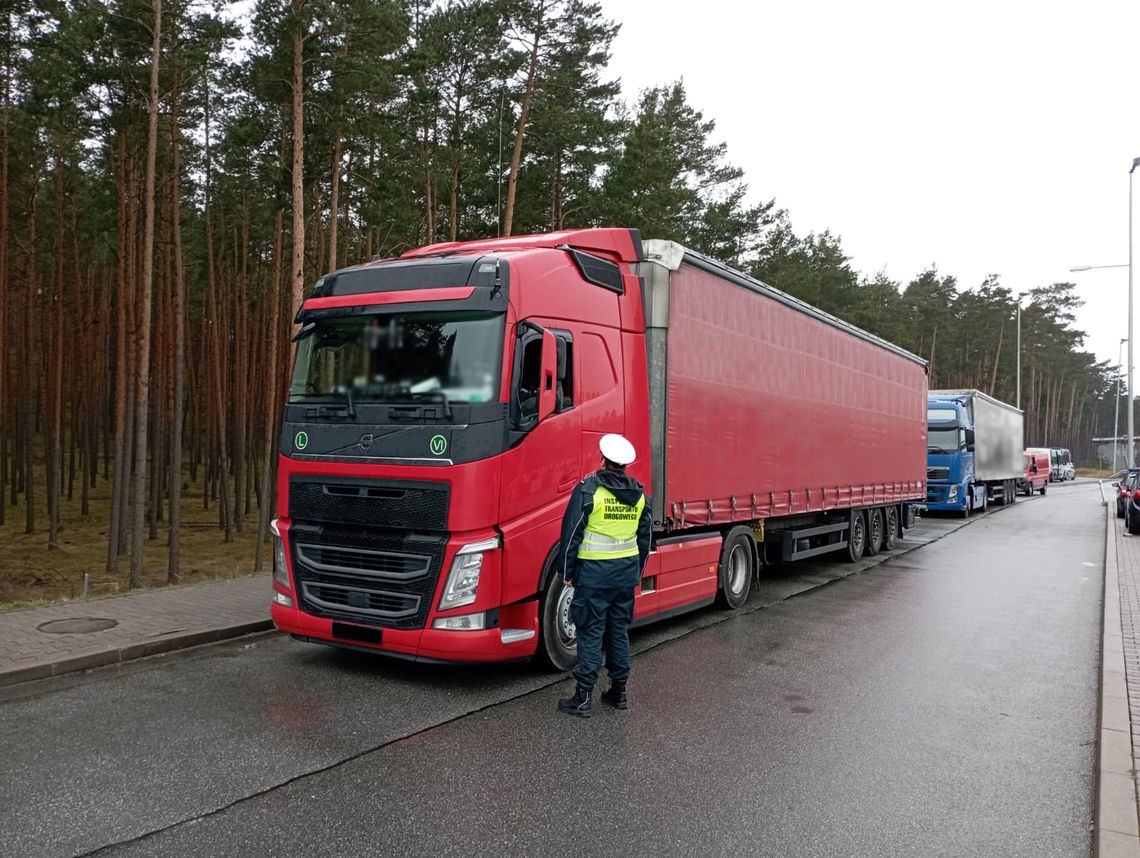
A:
[(890, 527), (857, 536), (557, 644), (737, 566), (1044, 488), (1119, 509), (1132, 524), (1013, 491), (874, 532)]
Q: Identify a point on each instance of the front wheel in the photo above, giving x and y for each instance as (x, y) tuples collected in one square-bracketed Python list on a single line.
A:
[(557, 639), (737, 564)]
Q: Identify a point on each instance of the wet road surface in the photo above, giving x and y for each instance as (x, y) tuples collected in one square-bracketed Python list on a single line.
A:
[(942, 703)]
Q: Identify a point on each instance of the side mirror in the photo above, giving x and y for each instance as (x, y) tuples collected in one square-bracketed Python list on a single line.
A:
[(970, 438), (1116, 485), (547, 392)]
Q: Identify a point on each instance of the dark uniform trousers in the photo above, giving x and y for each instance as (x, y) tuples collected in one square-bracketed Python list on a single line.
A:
[(602, 616)]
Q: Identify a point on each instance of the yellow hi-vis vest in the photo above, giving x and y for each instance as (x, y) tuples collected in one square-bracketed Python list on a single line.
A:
[(611, 529)]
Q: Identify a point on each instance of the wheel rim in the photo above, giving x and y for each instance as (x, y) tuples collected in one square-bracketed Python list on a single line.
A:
[(892, 526), (564, 624), (737, 569), (857, 533), (876, 530)]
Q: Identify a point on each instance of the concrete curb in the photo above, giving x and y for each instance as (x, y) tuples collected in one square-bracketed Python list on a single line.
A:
[(130, 652), (1116, 821)]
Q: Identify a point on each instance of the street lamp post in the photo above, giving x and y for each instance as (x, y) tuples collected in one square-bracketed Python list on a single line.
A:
[(1116, 422), (1131, 456)]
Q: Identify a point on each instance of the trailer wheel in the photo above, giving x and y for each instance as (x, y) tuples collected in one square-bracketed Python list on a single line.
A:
[(874, 531), (737, 565), (1014, 491), (890, 527), (856, 536), (557, 641)]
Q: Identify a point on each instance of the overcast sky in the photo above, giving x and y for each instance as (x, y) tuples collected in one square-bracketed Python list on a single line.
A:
[(983, 137)]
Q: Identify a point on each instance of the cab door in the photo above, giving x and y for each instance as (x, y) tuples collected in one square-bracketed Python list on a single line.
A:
[(542, 466)]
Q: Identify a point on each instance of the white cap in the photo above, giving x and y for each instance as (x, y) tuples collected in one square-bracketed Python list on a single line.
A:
[(617, 449)]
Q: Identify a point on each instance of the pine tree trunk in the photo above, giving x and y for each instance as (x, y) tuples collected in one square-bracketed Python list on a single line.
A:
[(31, 401), (271, 387), (143, 376), (520, 130), (334, 197), (174, 567), (297, 291), (4, 278), (55, 376)]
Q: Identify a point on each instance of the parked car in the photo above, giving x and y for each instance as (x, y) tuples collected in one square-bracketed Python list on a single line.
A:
[(1124, 489), (1062, 464), (1037, 470), (1132, 510)]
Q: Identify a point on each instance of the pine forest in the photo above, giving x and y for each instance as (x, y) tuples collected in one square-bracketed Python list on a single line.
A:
[(174, 175)]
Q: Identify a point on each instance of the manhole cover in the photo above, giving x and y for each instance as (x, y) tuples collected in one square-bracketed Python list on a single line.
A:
[(77, 626)]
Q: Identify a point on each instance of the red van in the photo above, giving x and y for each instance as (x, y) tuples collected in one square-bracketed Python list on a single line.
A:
[(1037, 469)]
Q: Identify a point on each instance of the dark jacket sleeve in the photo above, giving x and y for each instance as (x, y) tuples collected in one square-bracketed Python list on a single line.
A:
[(574, 526), (645, 532)]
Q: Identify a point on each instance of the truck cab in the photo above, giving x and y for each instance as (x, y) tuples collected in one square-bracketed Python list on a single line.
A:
[(444, 405), (950, 458)]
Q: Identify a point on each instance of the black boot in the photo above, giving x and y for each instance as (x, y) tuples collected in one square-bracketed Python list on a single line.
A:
[(581, 704), (616, 695)]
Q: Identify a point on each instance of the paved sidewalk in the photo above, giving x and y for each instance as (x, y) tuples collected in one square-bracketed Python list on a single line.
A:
[(140, 624), (1117, 814)]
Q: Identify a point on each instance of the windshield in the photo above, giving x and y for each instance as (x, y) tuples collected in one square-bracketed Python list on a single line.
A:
[(941, 440), (399, 357)]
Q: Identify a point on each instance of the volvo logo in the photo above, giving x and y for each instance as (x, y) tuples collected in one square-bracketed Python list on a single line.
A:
[(365, 440)]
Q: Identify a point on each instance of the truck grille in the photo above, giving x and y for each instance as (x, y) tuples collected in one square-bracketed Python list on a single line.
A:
[(364, 562), (359, 601), (936, 474), (400, 504), (366, 575)]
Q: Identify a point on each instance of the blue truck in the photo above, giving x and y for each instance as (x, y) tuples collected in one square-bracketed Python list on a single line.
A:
[(974, 451)]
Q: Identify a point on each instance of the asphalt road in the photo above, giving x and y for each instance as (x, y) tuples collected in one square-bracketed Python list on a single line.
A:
[(940, 703)]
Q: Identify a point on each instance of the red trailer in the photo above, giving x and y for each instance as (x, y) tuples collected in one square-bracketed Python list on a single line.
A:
[(445, 404)]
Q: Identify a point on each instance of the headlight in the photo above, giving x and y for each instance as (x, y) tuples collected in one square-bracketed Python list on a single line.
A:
[(281, 599), (463, 580), (462, 623), (953, 491), (280, 570)]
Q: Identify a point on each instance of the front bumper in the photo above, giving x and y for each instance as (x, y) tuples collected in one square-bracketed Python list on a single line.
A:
[(431, 645), (938, 497)]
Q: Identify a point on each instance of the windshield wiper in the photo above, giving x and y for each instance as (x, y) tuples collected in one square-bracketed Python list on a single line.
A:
[(435, 396)]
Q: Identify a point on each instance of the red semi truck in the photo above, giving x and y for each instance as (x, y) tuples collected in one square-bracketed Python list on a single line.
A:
[(444, 404)]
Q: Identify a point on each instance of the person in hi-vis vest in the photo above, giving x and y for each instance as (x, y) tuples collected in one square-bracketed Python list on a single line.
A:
[(605, 544)]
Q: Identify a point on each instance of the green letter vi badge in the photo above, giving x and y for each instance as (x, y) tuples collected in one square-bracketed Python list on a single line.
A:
[(438, 445)]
